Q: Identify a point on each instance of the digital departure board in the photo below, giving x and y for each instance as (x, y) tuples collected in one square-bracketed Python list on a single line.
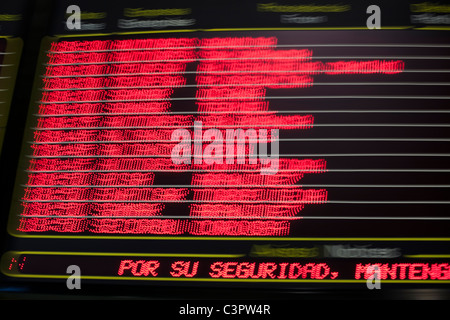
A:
[(250, 157)]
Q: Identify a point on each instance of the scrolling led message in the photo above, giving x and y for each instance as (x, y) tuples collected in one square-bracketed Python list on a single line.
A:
[(103, 139), (148, 267)]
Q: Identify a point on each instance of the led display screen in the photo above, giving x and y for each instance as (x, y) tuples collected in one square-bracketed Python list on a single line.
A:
[(315, 156), (242, 157)]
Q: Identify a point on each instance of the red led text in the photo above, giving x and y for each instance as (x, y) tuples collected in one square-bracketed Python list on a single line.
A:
[(271, 270), (405, 271), (139, 268)]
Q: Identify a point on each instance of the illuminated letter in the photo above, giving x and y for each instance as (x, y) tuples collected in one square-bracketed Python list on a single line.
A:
[(374, 21), (182, 268), (74, 20), (321, 267), (125, 264), (245, 269), (295, 270), (282, 274), (143, 267), (309, 268), (216, 269), (360, 269)]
